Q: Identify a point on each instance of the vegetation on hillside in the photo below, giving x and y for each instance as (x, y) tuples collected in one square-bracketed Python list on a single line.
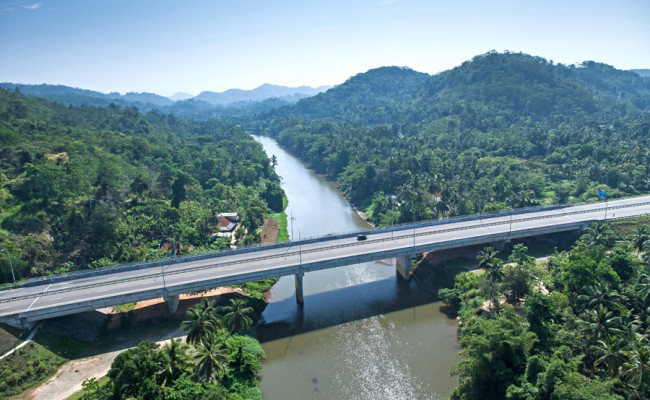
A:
[(500, 131), (86, 187)]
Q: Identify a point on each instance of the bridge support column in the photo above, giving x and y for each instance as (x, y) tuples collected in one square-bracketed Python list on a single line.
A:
[(299, 293), (403, 267), (26, 324), (172, 302)]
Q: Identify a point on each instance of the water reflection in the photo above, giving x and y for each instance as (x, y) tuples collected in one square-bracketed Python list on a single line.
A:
[(362, 333)]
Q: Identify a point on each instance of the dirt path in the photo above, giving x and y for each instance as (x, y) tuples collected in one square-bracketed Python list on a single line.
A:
[(72, 374), (270, 231)]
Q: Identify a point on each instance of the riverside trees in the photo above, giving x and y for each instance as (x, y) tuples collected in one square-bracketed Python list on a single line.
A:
[(586, 338), (217, 363)]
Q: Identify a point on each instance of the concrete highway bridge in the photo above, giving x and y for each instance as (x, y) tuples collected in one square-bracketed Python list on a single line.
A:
[(72, 293)]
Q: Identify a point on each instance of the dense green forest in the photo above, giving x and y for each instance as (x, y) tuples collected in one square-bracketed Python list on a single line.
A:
[(85, 187), (579, 327), (499, 131)]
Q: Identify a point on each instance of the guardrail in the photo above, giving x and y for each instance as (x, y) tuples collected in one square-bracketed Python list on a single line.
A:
[(326, 248), (257, 247)]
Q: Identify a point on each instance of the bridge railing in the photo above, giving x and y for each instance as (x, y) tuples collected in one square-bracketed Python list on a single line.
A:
[(319, 249), (256, 247)]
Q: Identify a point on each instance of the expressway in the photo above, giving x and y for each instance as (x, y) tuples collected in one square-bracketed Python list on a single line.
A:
[(23, 306)]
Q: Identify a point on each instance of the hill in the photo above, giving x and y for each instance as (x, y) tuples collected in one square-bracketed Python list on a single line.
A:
[(89, 186), (644, 73), (260, 93), (76, 97), (507, 84), (501, 130)]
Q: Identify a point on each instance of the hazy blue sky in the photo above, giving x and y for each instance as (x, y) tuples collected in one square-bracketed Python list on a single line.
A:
[(169, 46)]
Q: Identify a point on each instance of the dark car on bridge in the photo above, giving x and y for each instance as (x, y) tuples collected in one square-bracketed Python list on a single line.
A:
[(362, 237)]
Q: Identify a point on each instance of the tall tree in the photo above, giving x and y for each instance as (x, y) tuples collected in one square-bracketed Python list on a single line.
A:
[(237, 316), (212, 358)]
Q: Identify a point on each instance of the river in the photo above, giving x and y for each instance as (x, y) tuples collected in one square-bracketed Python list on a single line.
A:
[(362, 333)]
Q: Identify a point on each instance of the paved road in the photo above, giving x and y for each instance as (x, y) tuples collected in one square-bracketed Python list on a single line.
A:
[(82, 294)]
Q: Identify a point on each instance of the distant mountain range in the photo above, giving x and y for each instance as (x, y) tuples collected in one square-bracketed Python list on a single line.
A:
[(205, 105), (645, 73), (260, 93)]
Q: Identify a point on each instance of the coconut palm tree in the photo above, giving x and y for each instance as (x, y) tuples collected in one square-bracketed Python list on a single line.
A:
[(493, 268), (610, 353), (643, 288), (637, 369), (599, 294), (200, 321), (598, 234), (601, 323), (236, 316), (176, 361), (212, 358), (641, 237)]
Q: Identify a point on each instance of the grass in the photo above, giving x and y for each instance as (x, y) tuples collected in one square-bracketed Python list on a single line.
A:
[(36, 362), (102, 382), (626, 228), (10, 337), (281, 217), (256, 289), (124, 307)]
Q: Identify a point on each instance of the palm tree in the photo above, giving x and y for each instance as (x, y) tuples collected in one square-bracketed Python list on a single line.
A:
[(637, 369), (643, 288), (642, 237), (598, 233), (200, 321), (236, 315), (212, 358), (646, 252), (600, 295), (176, 361), (609, 352), (601, 323), (493, 268)]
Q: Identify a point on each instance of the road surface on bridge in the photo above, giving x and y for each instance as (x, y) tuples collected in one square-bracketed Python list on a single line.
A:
[(87, 293)]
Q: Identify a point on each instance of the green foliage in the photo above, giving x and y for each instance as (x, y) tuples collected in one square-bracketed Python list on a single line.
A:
[(134, 371), (586, 341), (36, 362), (500, 131), (87, 187), (494, 354), (236, 316)]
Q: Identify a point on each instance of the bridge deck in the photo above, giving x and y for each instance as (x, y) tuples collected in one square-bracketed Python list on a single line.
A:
[(87, 293)]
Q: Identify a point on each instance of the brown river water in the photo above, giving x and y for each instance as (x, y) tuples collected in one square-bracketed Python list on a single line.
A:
[(362, 332)]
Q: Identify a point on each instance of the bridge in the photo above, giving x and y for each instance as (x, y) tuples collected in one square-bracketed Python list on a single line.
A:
[(59, 295)]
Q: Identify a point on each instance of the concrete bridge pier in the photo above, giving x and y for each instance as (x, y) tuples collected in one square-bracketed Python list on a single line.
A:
[(18, 322), (403, 267), (172, 302), (299, 292)]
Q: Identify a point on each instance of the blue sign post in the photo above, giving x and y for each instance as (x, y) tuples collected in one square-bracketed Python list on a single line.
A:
[(603, 195)]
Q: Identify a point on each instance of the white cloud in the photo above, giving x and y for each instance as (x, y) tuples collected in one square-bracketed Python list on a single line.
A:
[(32, 7)]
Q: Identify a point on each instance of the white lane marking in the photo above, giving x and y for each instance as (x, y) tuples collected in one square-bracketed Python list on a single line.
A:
[(30, 306), (57, 298), (104, 290), (48, 286)]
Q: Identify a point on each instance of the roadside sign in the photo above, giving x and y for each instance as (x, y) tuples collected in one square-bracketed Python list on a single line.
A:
[(602, 193)]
